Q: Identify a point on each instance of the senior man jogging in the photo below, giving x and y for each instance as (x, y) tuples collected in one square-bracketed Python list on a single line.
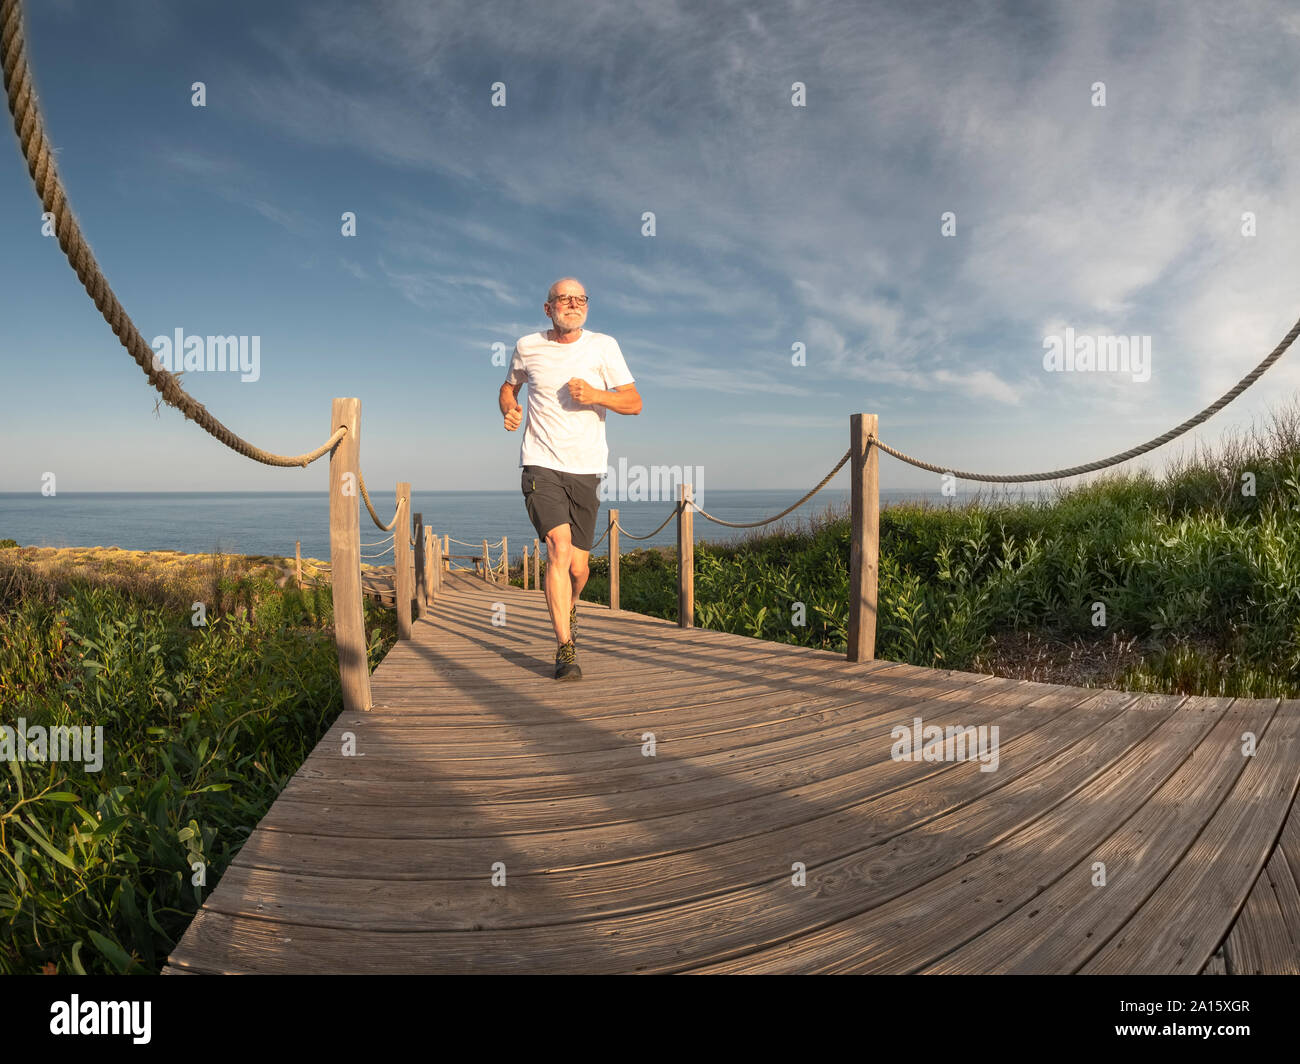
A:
[(564, 454)]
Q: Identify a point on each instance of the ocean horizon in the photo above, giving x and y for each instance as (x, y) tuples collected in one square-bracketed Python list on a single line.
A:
[(252, 522)]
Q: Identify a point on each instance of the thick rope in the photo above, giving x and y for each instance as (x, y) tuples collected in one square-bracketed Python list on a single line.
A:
[(1132, 452), (378, 543), (453, 539), (374, 516), (30, 128), (767, 521), (671, 514)]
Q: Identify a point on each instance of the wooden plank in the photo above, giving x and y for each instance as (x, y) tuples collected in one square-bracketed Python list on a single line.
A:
[(1187, 916), (649, 880), (1061, 928), (420, 760), (852, 766), (440, 682), (1260, 942), (478, 783), (539, 960), (1286, 891), (1032, 832), (1289, 842), (453, 710), (724, 711)]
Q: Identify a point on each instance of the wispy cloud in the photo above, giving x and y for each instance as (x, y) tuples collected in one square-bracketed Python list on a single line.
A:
[(234, 181), (427, 288)]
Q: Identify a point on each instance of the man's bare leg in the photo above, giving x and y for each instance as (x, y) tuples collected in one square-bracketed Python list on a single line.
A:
[(579, 571), (559, 582)]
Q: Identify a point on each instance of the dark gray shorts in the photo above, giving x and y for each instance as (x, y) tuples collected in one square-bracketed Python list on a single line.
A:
[(554, 498)]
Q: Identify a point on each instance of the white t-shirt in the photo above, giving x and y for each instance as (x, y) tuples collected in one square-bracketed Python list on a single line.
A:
[(560, 433)]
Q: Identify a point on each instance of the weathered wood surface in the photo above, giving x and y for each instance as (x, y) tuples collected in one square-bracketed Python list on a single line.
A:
[(767, 757), (1265, 940)]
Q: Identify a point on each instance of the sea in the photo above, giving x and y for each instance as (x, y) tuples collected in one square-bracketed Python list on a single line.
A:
[(240, 522)]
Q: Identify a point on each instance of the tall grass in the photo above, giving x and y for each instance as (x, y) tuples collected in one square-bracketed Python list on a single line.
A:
[(202, 728)]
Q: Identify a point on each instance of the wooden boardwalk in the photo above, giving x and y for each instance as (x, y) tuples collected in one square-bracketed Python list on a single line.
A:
[(766, 757)]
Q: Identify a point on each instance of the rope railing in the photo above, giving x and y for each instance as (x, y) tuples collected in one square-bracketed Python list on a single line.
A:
[(671, 515), (732, 524), (1123, 456), (768, 520), (30, 128), (378, 543), (369, 506)]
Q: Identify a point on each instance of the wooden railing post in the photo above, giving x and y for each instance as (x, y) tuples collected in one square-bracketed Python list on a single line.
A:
[(425, 590), (402, 591), (297, 563), (864, 546), (525, 566), (437, 566), (486, 574), (537, 564), (446, 553), (613, 559), (345, 556), (685, 559), (420, 565), (505, 561)]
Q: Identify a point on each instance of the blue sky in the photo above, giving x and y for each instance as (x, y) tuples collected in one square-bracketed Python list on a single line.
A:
[(775, 224)]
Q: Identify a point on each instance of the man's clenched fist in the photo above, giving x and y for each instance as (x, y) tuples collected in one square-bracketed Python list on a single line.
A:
[(513, 417), (581, 391)]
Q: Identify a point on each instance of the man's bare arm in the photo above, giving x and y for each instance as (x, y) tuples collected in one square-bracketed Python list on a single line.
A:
[(508, 400)]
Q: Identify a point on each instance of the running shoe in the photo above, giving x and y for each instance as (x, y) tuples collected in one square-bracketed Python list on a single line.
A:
[(566, 663)]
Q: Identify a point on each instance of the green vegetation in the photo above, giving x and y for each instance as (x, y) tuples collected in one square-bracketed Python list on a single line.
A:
[(202, 728), (1198, 571)]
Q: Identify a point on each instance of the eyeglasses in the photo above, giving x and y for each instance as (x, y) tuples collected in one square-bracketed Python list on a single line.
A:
[(570, 301)]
